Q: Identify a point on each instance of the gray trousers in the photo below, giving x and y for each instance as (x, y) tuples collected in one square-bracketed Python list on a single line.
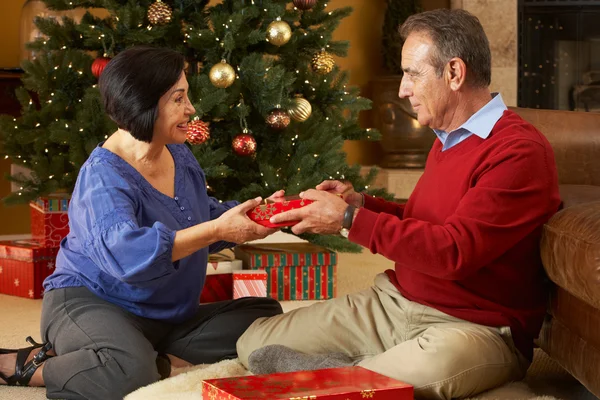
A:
[(105, 352)]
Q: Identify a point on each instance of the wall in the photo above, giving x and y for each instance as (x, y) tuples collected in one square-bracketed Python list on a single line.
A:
[(362, 29), (502, 34)]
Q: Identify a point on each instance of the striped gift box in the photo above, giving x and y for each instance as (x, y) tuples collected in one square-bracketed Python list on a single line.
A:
[(296, 271), (249, 283), (309, 282)]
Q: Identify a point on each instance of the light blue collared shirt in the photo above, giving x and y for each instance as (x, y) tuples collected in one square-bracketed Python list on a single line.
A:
[(481, 123)]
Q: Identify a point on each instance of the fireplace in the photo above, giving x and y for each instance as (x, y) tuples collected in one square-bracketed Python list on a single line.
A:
[(559, 54)]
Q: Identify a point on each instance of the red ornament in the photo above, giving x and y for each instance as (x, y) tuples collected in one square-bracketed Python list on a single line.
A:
[(304, 4), (98, 66), (244, 144), (198, 132)]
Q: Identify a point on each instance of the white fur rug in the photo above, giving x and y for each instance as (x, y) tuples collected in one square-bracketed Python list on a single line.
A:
[(187, 385)]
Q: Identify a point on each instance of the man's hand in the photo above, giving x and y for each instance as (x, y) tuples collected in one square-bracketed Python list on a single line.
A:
[(345, 189), (235, 226), (324, 216)]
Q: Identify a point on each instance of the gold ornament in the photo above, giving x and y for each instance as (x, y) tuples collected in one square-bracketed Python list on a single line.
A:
[(322, 62), (222, 75), (301, 110), (279, 32), (159, 13)]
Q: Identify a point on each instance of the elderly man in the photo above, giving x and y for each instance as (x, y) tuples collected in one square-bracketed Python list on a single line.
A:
[(459, 313)]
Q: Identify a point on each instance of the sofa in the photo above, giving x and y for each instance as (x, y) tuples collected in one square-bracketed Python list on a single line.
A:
[(570, 246)]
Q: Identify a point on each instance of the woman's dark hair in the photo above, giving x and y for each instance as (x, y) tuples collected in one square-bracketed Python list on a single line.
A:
[(454, 33), (132, 84)]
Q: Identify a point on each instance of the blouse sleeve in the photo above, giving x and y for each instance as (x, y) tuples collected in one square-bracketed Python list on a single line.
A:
[(103, 216), (216, 210)]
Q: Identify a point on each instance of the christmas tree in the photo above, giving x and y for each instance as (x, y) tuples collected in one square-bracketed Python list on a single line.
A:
[(273, 109)]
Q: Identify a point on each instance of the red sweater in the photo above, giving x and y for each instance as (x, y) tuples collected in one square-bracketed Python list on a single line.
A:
[(467, 240)]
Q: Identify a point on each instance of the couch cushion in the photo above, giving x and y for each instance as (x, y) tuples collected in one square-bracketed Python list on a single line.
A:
[(570, 250), (572, 195)]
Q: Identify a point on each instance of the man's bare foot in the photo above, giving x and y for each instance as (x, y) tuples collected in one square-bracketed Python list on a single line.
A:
[(177, 362)]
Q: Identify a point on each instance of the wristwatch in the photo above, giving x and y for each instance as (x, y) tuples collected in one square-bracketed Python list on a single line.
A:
[(347, 221)]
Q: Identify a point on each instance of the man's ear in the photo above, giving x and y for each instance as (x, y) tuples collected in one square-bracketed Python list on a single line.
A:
[(455, 73)]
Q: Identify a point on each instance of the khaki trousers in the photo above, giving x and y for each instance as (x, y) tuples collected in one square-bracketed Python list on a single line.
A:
[(441, 356)]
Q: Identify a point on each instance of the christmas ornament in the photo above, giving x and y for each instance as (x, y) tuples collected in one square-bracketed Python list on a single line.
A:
[(304, 4), (279, 32), (222, 75), (301, 109), (159, 13), (198, 132), (244, 144), (278, 119), (98, 66), (322, 62)]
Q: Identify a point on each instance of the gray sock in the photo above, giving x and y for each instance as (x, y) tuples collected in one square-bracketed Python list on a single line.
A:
[(278, 358)]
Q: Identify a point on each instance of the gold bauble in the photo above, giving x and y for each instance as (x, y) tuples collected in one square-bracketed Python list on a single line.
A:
[(159, 13), (222, 75), (322, 62), (279, 32), (301, 109)]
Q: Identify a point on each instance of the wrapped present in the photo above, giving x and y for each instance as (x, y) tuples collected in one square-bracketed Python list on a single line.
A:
[(349, 383), (218, 284), (309, 282), (24, 264), (261, 214), (296, 271), (49, 219), (249, 283)]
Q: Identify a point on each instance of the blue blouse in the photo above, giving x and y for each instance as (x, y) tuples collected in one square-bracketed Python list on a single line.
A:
[(122, 231)]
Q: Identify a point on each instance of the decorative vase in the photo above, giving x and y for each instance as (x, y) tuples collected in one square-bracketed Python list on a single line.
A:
[(405, 142), (29, 32)]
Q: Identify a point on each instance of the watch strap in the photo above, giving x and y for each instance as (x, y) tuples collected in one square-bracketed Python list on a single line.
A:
[(348, 217)]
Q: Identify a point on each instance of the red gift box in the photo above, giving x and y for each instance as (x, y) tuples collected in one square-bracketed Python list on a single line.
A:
[(261, 214), (249, 283), (296, 271), (24, 264), (347, 383), (49, 220), (218, 285)]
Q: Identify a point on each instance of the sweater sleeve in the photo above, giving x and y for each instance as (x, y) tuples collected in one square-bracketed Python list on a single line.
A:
[(103, 216), (382, 206), (513, 193)]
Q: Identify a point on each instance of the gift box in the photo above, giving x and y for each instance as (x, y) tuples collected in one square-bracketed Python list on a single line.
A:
[(218, 285), (249, 283), (349, 383), (24, 264), (49, 220), (261, 214), (296, 271)]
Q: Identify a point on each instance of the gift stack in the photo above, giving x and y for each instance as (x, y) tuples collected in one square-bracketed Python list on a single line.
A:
[(295, 271), (332, 383), (218, 284), (24, 264)]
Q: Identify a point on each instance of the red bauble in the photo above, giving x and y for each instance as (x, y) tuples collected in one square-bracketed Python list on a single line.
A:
[(98, 66), (244, 144), (198, 132), (278, 119), (304, 4)]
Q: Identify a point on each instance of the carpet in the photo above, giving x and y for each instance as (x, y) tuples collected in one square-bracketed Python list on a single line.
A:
[(187, 385)]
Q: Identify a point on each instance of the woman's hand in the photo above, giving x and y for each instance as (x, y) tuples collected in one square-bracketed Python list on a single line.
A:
[(235, 226), (277, 196), (345, 189)]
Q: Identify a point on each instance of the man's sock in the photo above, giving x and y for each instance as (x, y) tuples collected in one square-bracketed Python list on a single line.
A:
[(278, 358)]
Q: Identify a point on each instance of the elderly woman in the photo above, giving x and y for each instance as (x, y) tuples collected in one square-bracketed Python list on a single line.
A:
[(122, 305)]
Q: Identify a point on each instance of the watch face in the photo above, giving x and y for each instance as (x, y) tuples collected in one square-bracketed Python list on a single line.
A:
[(344, 232)]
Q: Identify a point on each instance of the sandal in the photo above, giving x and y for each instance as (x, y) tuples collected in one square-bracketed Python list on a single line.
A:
[(24, 370)]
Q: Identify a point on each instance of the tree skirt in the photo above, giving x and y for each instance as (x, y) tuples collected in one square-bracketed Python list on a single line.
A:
[(187, 385)]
